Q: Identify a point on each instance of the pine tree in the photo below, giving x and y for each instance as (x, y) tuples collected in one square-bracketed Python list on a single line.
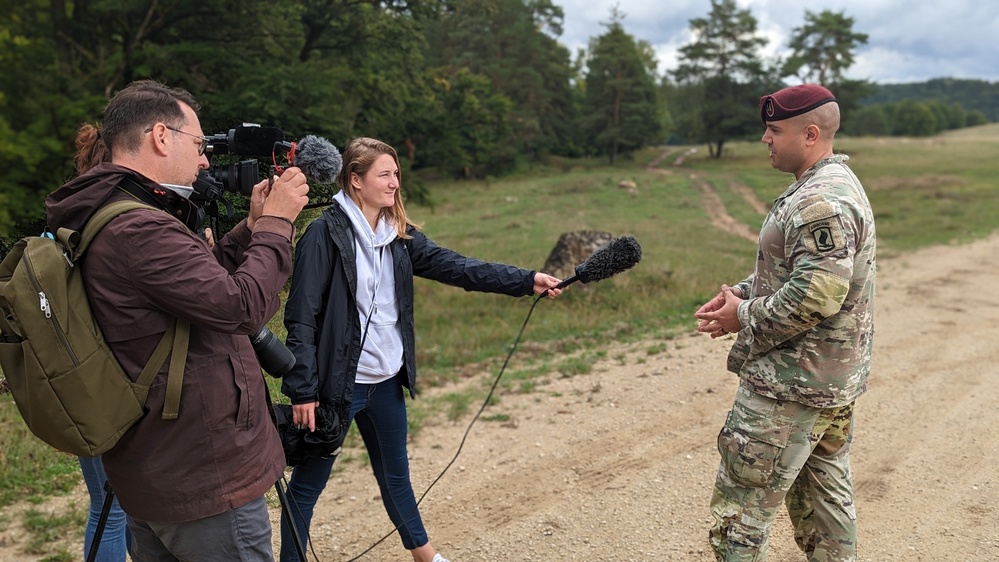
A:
[(622, 108)]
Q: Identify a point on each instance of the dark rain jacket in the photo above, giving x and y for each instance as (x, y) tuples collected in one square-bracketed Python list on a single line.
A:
[(143, 270), (324, 329)]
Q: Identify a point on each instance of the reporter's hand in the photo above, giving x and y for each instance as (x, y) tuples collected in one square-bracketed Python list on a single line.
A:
[(304, 415), (544, 282), (285, 197)]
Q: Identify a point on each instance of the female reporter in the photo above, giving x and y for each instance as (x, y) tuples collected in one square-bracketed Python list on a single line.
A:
[(349, 317)]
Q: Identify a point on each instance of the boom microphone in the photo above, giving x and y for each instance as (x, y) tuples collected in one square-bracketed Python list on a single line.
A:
[(621, 254), (318, 159)]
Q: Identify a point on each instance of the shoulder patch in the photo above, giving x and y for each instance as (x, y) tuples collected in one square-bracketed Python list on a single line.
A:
[(822, 229), (825, 239)]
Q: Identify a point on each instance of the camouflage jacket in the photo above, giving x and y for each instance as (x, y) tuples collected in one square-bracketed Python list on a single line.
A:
[(808, 318)]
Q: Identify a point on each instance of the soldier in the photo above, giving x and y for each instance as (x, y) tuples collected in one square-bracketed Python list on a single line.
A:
[(804, 325)]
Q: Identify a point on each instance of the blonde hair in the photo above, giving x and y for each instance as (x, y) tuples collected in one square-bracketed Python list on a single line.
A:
[(358, 158)]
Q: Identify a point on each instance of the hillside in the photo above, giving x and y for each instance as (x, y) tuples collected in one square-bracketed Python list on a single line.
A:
[(971, 94)]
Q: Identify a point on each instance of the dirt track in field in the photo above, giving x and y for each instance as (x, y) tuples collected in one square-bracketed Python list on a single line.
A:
[(618, 464)]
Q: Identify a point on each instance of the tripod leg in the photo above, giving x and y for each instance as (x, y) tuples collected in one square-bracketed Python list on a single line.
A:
[(105, 511), (286, 508)]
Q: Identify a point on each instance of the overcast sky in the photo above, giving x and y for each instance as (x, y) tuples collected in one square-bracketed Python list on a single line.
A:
[(907, 41)]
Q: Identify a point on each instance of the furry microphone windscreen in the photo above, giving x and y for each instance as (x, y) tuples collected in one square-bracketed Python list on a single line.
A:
[(318, 159), (621, 254)]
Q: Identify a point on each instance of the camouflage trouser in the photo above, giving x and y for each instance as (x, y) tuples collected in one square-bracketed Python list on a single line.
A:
[(775, 452)]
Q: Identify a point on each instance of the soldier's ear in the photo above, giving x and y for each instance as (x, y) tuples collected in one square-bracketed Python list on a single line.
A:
[(812, 133)]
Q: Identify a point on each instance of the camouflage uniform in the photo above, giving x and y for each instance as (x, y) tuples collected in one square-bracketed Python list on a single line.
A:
[(803, 356)]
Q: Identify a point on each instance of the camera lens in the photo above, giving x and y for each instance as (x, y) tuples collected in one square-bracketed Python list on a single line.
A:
[(275, 358), (237, 177)]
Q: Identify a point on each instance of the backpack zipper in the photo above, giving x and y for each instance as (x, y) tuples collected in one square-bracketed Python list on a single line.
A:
[(43, 303), (46, 308)]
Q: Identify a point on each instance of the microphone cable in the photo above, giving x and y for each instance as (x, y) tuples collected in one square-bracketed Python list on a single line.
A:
[(468, 430)]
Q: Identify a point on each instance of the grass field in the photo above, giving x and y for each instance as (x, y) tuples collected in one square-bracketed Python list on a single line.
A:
[(924, 191), (938, 190)]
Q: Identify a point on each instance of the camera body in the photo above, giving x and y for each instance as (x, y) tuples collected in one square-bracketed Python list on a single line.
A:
[(237, 177)]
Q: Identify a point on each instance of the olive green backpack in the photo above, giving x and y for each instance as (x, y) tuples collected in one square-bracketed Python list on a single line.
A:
[(66, 382)]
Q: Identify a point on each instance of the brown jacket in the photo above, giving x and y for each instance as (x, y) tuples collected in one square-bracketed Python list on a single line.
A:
[(144, 269)]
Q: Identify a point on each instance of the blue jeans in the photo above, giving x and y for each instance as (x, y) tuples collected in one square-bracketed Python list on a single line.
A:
[(380, 413), (116, 537)]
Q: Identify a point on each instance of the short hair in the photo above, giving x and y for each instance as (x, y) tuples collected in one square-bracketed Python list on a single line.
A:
[(139, 106), (827, 117), (358, 158)]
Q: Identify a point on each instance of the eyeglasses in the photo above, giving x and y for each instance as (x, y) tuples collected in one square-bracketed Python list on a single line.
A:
[(203, 145)]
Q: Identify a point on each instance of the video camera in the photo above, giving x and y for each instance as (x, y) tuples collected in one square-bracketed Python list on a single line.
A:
[(248, 139)]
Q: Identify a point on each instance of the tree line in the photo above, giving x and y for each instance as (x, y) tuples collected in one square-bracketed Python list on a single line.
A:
[(926, 108), (469, 88)]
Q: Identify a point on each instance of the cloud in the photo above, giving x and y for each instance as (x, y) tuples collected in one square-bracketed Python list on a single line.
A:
[(907, 42)]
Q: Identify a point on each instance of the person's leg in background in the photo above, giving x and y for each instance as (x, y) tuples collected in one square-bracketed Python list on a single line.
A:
[(116, 537)]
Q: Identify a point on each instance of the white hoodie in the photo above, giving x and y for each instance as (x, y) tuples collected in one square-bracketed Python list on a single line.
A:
[(381, 354)]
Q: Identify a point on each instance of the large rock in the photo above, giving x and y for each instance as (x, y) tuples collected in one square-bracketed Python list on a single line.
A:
[(629, 186), (572, 249)]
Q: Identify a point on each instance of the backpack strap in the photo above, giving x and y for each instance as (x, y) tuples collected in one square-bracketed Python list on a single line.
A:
[(79, 243), (176, 338), (175, 378)]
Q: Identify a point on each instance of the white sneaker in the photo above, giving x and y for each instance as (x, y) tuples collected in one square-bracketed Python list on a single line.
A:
[(439, 558)]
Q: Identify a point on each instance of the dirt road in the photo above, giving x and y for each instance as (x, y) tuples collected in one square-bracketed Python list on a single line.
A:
[(617, 464)]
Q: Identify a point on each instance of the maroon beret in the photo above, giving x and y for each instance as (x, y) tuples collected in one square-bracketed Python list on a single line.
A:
[(792, 101)]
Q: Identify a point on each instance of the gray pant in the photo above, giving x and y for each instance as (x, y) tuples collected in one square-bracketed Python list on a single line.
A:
[(242, 534)]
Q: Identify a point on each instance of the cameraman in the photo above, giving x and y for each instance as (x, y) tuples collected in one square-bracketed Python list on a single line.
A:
[(193, 487)]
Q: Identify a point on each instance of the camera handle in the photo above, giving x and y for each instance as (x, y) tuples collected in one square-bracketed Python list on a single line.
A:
[(289, 149)]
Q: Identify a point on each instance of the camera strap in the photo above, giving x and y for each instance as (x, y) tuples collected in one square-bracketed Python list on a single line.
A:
[(175, 205)]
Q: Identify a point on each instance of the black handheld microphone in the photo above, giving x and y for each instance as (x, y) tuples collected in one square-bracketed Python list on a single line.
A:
[(621, 254)]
